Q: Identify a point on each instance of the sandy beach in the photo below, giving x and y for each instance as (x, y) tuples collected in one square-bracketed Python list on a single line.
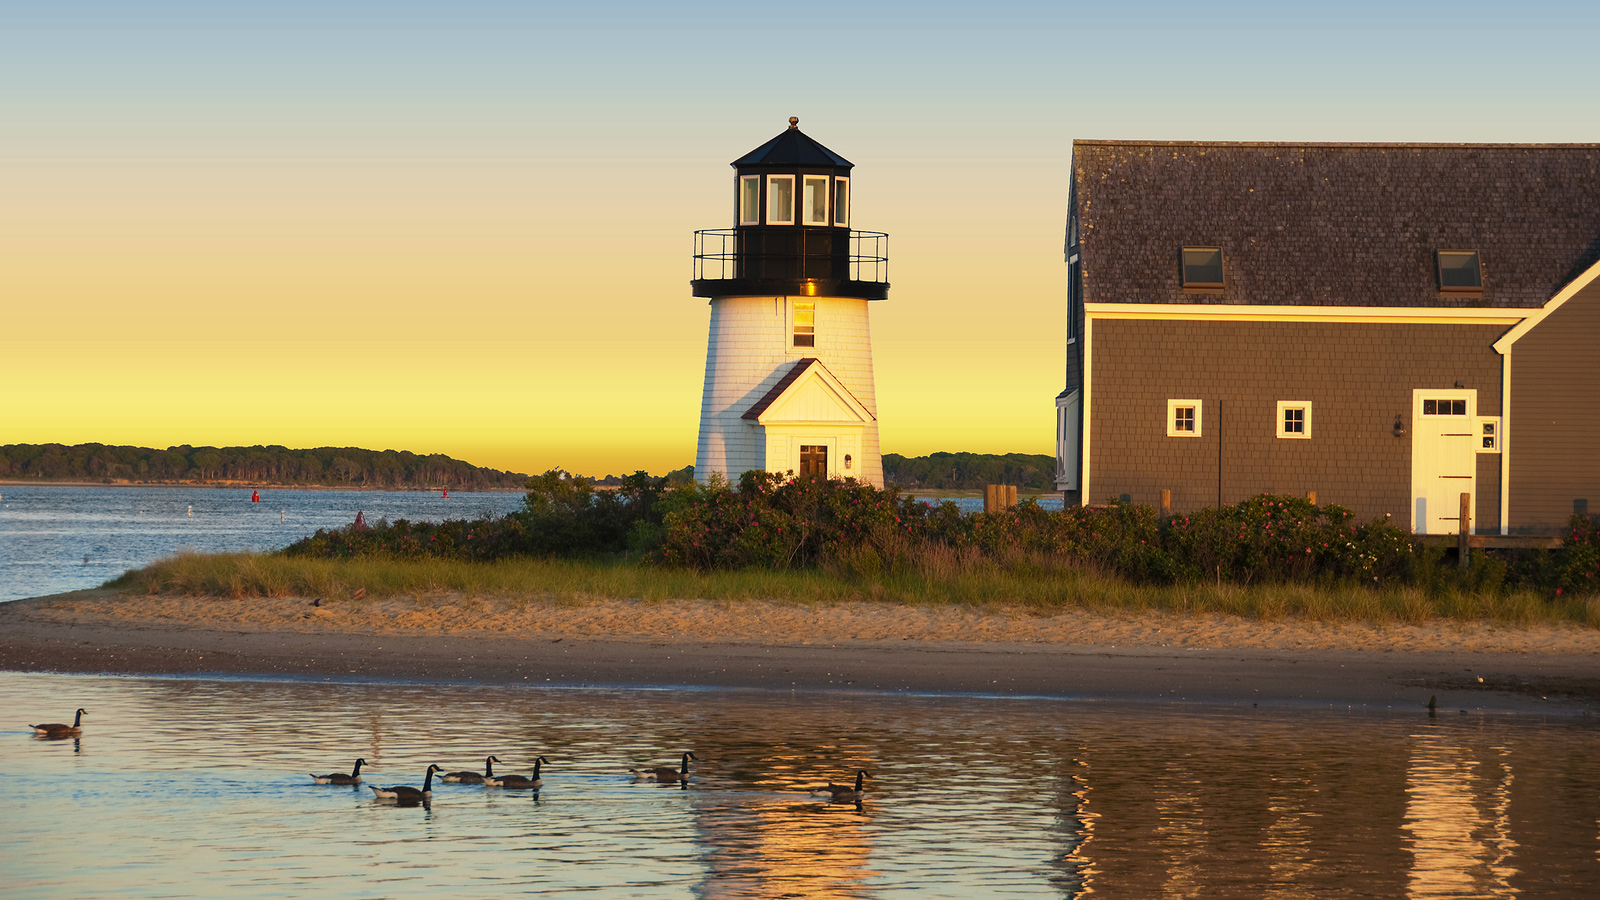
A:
[(852, 646)]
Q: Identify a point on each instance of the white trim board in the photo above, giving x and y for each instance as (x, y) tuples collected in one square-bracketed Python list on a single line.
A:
[(1359, 314)]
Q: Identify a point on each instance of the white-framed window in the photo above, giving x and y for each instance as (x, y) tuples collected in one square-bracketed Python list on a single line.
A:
[(814, 200), (750, 200), (841, 202), (1183, 418), (780, 199), (805, 324), (1488, 434), (1294, 419)]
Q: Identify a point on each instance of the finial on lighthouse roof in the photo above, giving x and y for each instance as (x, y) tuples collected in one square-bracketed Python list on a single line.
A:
[(794, 123)]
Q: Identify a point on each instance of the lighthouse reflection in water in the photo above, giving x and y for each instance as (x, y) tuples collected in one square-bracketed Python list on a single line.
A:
[(199, 788)]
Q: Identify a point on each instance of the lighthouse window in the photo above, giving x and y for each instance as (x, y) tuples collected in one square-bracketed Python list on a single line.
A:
[(780, 200), (805, 324), (750, 200), (841, 202), (815, 200)]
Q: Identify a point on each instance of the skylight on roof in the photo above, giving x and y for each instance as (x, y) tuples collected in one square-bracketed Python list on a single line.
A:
[(1202, 267), (1459, 271)]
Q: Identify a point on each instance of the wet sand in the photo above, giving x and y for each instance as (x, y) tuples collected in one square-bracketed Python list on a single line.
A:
[(856, 646)]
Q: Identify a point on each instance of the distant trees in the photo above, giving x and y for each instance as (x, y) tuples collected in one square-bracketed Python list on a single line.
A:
[(970, 471), (332, 466)]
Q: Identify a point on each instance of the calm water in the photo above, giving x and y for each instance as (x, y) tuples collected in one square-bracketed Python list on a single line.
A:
[(47, 532), (58, 538), (198, 788)]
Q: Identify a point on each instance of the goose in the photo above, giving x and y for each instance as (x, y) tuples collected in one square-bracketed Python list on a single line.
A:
[(406, 793), (340, 778), (665, 774), (57, 729), (844, 792), (525, 782), (465, 777)]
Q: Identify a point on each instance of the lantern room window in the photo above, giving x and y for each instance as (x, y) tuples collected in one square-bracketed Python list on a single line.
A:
[(814, 200), (750, 200), (841, 202), (780, 199)]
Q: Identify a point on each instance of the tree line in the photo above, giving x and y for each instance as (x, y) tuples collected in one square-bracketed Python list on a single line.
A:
[(970, 471), (348, 467)]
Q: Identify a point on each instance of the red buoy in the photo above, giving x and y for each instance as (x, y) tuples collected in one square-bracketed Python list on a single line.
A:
[(446, 494), (255, 496)]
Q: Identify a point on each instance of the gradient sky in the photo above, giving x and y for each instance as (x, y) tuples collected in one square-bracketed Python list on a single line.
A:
[(465, 227)]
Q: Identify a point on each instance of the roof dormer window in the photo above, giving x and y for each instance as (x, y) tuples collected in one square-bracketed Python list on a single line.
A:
[(1459, 271), (1202, 267)]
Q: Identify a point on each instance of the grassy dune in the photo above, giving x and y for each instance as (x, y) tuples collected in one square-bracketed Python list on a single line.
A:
[(947, 577)]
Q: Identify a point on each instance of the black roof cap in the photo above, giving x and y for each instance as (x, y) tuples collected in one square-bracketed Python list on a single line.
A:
[(792, 148)]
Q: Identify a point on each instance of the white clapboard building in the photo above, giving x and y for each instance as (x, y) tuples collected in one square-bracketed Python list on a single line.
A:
[(789, 384)]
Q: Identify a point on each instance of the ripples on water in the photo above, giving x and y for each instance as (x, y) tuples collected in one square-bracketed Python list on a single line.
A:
[(199, 788)]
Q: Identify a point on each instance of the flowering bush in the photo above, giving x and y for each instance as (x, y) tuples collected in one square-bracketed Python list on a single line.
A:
[(852, 529)]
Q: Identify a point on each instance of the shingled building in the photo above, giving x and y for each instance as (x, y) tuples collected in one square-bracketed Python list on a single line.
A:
[(1388, 325)]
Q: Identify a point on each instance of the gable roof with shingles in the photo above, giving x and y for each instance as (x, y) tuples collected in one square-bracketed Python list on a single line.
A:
[(1335, 224)]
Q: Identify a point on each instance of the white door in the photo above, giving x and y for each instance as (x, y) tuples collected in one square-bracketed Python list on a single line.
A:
[(1444, 461)]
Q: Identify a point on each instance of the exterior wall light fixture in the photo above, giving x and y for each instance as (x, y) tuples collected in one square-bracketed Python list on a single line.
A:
[(847, 460), (1399, 426)]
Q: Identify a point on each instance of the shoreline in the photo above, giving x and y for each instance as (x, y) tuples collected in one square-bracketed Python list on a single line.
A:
[(846, 647)]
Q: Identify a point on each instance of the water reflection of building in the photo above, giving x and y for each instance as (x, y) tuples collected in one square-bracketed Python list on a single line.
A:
[(1075, 826), (783, 847), (1458, 822), (1187, 811)]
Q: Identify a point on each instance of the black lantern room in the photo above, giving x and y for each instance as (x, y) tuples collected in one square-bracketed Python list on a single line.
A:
[(791, 203)]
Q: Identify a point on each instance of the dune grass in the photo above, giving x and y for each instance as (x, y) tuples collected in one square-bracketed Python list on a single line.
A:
[(1038, 585)]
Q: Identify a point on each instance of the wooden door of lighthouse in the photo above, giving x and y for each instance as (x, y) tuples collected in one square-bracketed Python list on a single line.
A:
[(1444, 462), (814, 459)]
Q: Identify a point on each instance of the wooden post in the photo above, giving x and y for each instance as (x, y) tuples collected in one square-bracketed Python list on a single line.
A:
[(989, 499), (1166, 503), (1312, 496), (1011, 495), (1464, 529)]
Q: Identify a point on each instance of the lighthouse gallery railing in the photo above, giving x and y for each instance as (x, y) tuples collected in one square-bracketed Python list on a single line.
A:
[(717, 257)]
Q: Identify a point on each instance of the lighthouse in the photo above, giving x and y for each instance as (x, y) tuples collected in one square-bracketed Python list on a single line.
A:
[(789, 384)]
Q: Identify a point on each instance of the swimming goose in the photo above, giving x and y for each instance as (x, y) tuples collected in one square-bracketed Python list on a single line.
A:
[(340, 778), (407, 794), (524, 782), (665, 774), (465, 777), (57, 729), (844, 792)]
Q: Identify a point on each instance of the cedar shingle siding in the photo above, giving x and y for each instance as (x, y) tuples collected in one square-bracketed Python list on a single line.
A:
[(1555, 431), (1357, 378), (1331, 226)]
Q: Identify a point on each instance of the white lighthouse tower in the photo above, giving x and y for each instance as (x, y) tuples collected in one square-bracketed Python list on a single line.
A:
[(789, 359)]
